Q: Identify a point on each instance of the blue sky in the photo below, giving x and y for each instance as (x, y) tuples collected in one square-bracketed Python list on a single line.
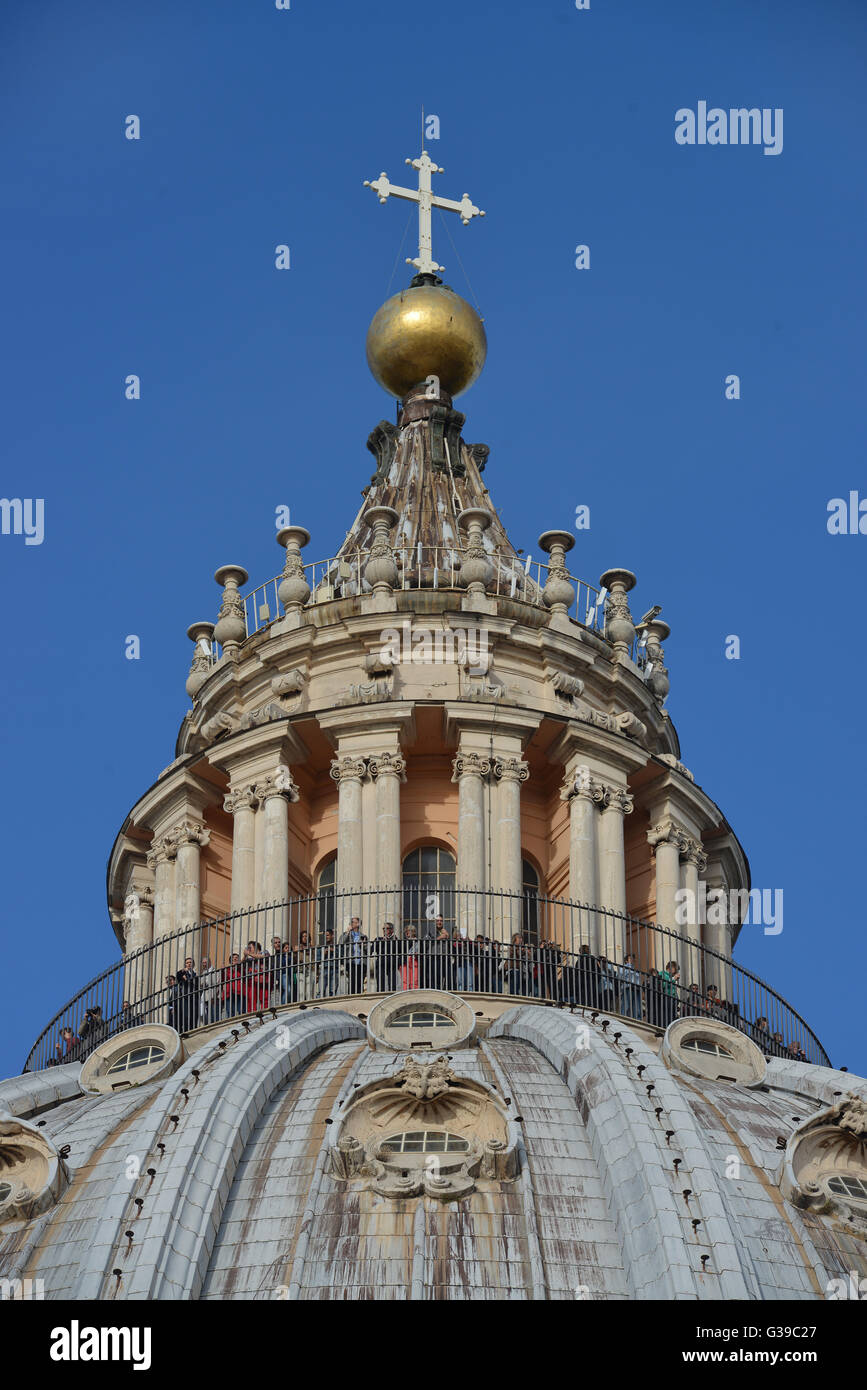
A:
[(603, 387)]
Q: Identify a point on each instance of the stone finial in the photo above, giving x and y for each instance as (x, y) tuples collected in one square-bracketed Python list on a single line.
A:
[(657, 676), (558, 593), (202, 634), (293, 590), (231, 629), (381, 570), (619, 627), (476, 569)]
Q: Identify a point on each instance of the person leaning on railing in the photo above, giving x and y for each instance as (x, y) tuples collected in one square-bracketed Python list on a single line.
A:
[(232, 980), (93, 1030), (630, 988), (441, 958), (331, 981), (67, 1048), (409, 960), (308, 964), (209, 992), (549, 958), (462, 961)]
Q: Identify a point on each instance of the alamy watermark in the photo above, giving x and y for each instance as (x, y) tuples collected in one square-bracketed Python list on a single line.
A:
[(23, 516), (422, 646), (717, 907), (737, 126)]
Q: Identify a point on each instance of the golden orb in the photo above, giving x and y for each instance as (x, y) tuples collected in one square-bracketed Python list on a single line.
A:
[(426, 330)]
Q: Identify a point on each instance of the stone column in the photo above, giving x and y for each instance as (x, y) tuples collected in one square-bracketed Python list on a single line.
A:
[(584, 795), (389, 770), (189, 838), (274, 793), (138, 936), (161, 859), (241, 803), (348, 773), (665, 839), (470, 770), (716, 931), (508, 910), (694, 862), (616, 803)]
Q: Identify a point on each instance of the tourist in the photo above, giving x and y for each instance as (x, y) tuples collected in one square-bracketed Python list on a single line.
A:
[(630, 988), (187, 997), (670, 977), (353, 948), (409, 960), (441, 958), (233, 987), (518, 966), (255, 977), (286, 978), (66, 1049), (126, 1018), (307, 961), (172, 999), (386, 953), (93, 1030), (606, 986), (586, 978), (549, 961), (209, 992), (329, 966), (462, 959)]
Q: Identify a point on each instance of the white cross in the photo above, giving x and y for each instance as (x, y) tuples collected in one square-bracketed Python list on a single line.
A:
[(426, 200)]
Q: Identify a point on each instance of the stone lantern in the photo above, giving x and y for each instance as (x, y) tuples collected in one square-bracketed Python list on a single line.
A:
[(231, 629), (619, 627), (558, 593), (202, 634), (293, 590)]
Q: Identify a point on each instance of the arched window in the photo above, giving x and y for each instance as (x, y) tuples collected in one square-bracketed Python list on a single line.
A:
[(530, 914), (325, 915), (429, 890)]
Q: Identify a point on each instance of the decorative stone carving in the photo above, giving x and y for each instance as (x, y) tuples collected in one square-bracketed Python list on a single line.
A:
[(265, 714), (135, 900), (167, 1053), (425, 1096), (381, 570), (279, 783), (583, 784), (694, 854), (631, 725), (369, 692), (32, 1173), (558, 592), (387, 764), (470, 765), (346, 767), (617, 799), (231, 627), (669, 832), (511, 769), (480, 454), (163, 848), (382, 443), (203, 662), (293, 590), (291, 683), (217, 725), (619, 628), (240, 798), (188, 832), (826, 1160), (567, 687)]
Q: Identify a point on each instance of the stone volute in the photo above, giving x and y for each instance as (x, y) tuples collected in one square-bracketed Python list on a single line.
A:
[(381, 570), (231, 629), (558, 593), (476, 569), (293, 590), (202, 634), (619, 627)]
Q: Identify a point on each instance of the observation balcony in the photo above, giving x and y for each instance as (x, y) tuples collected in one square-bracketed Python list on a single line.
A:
[(553, 952)]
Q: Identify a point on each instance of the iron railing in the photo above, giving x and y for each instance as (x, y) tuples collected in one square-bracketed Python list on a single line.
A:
[(280, 953)]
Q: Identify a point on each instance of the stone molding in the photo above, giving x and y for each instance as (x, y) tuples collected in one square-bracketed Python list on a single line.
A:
[(346, 768), (279, 783), (582, 784), (832, 1144), (240, 798), (387, 764), (617, 799)]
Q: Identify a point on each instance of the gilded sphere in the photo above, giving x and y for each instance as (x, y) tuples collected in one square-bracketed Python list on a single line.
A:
[(426, 330)]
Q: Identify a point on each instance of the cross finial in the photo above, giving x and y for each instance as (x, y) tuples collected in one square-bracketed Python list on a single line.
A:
[(426, 199)]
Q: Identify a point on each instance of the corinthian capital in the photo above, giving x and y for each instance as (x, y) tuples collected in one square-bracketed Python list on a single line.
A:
[(511, 769), (163, 849), (470, 765), (346, 768), (188, 832), (694, 853), (581, 783), (384, 763), (668, 832), (279, 783), (239, 798), (617, 799)]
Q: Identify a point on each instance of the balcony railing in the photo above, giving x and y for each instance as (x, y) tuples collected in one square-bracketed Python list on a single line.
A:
[(280, 953)]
